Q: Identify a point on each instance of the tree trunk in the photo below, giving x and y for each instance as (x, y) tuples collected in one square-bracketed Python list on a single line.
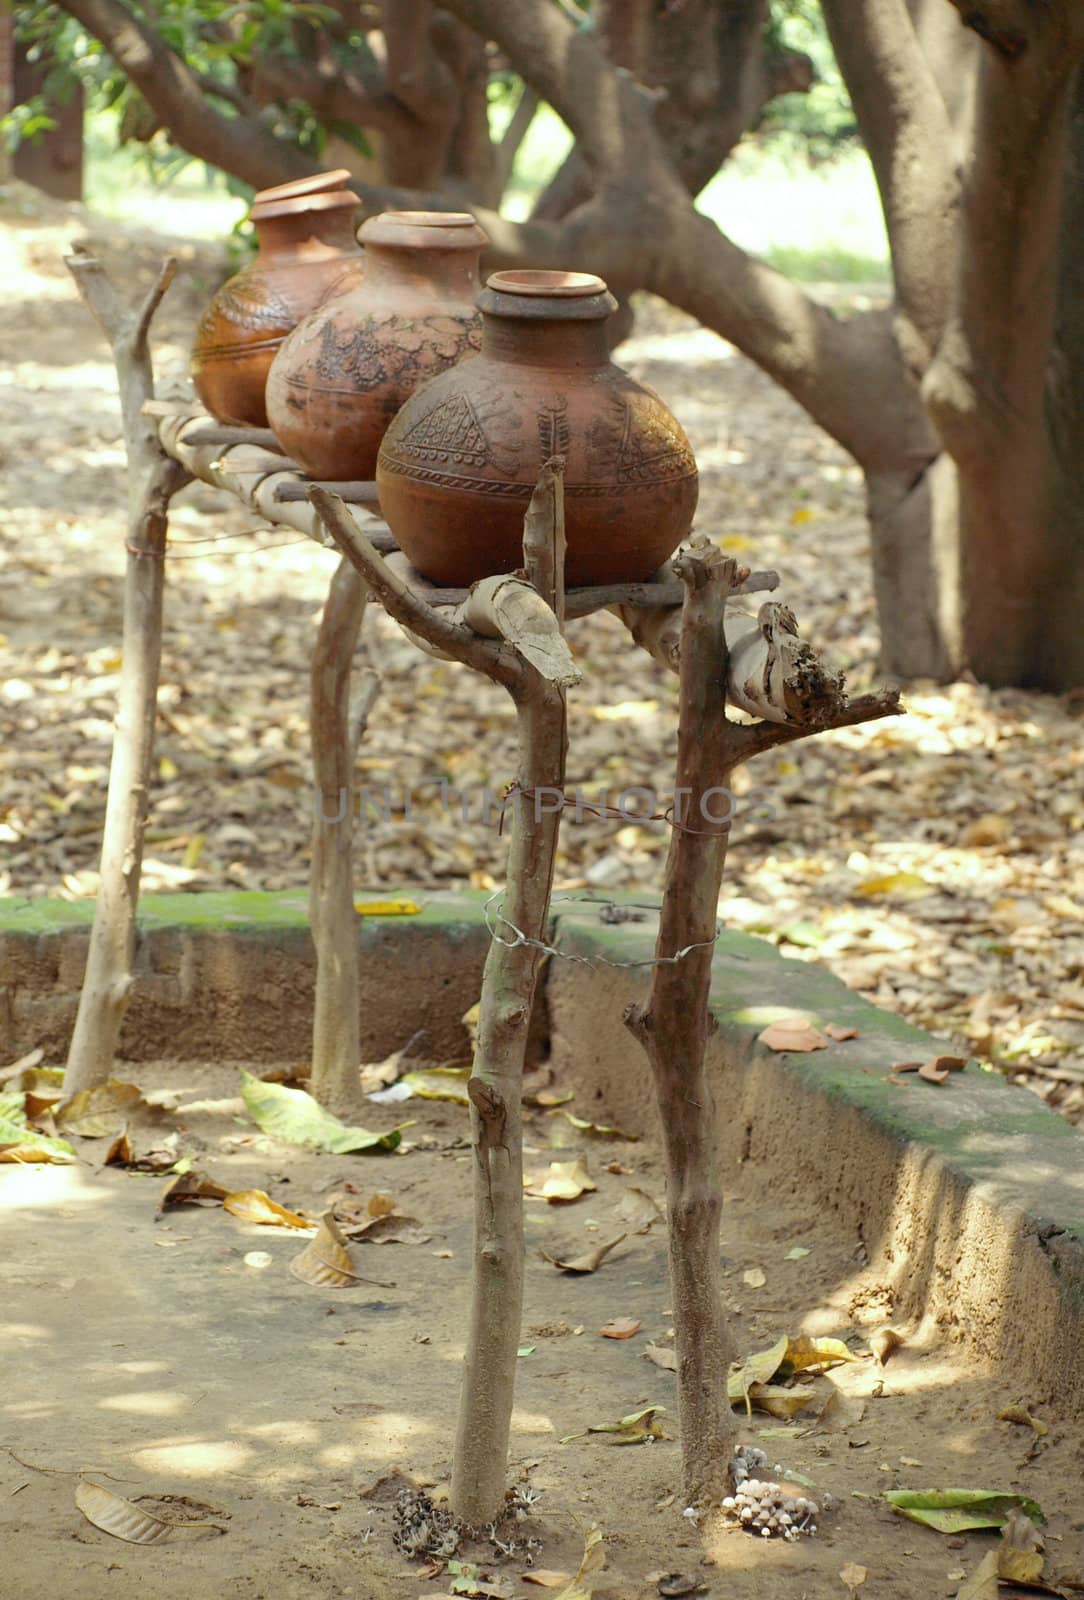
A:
[(336, 1040)]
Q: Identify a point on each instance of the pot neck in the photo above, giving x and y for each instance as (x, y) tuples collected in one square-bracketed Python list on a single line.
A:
[(309, 235), (549, 341), (406, 265)]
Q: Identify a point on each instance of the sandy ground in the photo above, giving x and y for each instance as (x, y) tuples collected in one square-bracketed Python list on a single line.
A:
[(146, 1354)]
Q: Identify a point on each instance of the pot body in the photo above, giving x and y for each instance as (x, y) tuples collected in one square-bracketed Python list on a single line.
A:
[(345, 371), (307, 251), (459, 463)]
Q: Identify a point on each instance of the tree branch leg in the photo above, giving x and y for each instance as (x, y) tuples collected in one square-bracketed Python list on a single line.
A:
[(153, 479), (336, 1044), (673, 1029)]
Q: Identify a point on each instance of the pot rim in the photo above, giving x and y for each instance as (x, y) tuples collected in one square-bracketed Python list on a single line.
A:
[(318, 183), (424, 230), (548, 285), (306, 204)]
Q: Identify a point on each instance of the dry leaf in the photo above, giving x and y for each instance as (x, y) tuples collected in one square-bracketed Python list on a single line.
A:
[(191, 1188), (905, 885), (599, 1130), (387, 908), (122, 1519), (546, 1578), (982, 1584), (754, 1278), (95, 1112), (637, 1210), (663, 1355), (326, 1262), (119, 1153), (756, 1368), (779, 1401), (585, 1263), (884, 1342), (620, 1328), (796, 1036), (1024, 1418), (594, 1559), (565, 1181), (1020, 1557), (836, 1031), (841, 1411), (854, 1576), (807, 1354), (253, 1205), (932, 1072)]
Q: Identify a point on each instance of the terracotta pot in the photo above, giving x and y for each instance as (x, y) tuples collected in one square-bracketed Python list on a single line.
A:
[(458, 464), (345, 371), (307, 250)]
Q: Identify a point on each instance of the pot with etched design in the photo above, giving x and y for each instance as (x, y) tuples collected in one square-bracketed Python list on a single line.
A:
[(306, 251), (459, 462), (345, 371)]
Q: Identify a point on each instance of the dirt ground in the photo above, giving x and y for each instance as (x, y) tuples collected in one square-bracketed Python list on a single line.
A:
[(936, 863), (145, 1353)]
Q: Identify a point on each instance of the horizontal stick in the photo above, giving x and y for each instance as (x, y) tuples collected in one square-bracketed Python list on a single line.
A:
[(224, 433), (357, 492)]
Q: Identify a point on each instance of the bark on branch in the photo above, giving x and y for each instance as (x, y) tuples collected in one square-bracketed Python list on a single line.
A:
[(153, 479)]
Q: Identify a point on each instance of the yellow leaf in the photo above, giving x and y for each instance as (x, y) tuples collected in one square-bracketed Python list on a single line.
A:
[(779, 1401), (545, 1578), (254, 1205), (1019, 1566), (326, 1262), (756, 1368), (167, 769), (625, 711), (439, 1083), (192, 852), (191, 1188), (1024, 1418), (119, 1153), (982, 1584), (599, 1130), (386, 908), (802, 514), (95, 1112), (805, 1352), (565, 1181), (754, 1278), (904, 885), (594, 1559), (736, 543), (853, 1575)]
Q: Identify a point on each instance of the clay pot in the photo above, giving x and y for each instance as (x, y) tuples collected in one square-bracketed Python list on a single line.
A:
[(345, 371), (307, 250), (458, 464)]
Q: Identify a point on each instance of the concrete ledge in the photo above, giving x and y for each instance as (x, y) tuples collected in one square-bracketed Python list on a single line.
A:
[(968, 1200)]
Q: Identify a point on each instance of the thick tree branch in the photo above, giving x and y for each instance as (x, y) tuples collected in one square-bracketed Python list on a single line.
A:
[(357, 95), (909, 137), (242, 147)]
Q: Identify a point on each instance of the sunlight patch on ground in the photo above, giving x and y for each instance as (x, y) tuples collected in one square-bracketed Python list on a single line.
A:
[(148, 1402), (32, 1187), (193, 1458)]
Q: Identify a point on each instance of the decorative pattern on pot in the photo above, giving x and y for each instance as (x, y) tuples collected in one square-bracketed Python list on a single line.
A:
[(345, 371), (306, 251), (459, 462)]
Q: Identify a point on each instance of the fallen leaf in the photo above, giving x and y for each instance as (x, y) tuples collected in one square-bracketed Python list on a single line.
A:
[(956, 1510), (594, 1559), (678, 1584), (326, 1262), (884, 1342), (754, 1278), (663, 1355), (987, 829), (854, 1576), (439, 1083), (902, 885), (546, 1577), (841, 1411), (598, 1130), (756, 1368), (933, 1073), (779, 1401), (20, 1145), (191, 1188), (806, 1353), (982, 1584), (547, 1099), (637, 1210), (95, 1112), (797, 1037), (1024, 1418), (565, 1181), (119, 1153), (585, 1263), (620, 1328), (634, 1428), (387, 908), (797, 1253), (839, 1033), (124, 1520), (296, 1118), (253, 1205), (43, 1089)]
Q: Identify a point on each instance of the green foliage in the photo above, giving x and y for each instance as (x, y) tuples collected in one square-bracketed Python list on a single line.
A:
[(820, 124)]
